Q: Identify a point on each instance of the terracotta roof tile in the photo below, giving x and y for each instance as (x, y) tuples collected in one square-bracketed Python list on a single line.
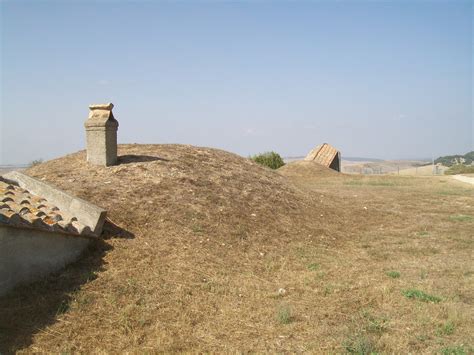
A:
[(19, 208)]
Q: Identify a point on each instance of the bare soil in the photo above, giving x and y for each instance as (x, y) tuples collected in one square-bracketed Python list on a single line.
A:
[(207, 251)]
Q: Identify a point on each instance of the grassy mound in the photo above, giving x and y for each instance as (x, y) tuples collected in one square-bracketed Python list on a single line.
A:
[(206, 251), (307, 170), (186, 226), (170, 186)]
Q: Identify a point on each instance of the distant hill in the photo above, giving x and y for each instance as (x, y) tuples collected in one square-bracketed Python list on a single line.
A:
[(361, 159), (7, 168), (450, 160)]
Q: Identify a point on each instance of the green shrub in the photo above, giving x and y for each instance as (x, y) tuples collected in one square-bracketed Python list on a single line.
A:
[(460, 169), (269, 159)]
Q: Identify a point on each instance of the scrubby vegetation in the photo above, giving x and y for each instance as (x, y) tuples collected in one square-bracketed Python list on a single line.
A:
[(284, 314), (461, 218), (271, 160), (420, 295), (35, 162), (450, 160), (460, 169), (393, 274)]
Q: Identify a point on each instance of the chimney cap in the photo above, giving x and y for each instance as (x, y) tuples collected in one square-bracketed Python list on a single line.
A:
[(101, 117), (107, 107)]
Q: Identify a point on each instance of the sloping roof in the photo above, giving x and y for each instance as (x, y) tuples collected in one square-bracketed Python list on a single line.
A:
[(323, 154), (20, 208)]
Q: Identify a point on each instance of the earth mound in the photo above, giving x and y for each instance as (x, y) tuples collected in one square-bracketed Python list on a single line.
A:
[(185, 256), (194, 188), (306, 170)]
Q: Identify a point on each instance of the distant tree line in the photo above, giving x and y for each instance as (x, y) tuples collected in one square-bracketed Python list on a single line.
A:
[(460, 169), (450, 160)]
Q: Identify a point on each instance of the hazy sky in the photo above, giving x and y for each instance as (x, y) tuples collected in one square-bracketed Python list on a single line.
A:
[(375, 79)]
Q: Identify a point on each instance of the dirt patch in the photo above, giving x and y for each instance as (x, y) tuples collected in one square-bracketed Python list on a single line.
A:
[(466, 179)]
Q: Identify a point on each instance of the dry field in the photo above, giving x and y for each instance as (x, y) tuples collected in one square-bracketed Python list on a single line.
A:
[(206, 251), (381, 166), (423, 171)]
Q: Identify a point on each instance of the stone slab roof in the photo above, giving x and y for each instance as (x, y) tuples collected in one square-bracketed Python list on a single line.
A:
[(101, 116), (20, 208), (323, 154)]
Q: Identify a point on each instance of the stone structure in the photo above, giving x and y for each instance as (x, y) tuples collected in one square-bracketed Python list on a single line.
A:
[(326, 155), (42, 229), (101, 135)]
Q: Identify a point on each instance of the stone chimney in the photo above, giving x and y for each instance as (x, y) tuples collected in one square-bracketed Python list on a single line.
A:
[(101, 135)]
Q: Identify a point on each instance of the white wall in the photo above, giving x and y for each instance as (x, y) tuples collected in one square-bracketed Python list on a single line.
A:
[(27, 254)]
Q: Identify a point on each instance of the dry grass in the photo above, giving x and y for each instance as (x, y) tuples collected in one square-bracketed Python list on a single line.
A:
[(308, 169), (216, 237), (383, 166), (423, 170)]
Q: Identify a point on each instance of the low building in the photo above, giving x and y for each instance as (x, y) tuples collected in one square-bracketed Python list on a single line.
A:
[(42, 229), (326, 155)]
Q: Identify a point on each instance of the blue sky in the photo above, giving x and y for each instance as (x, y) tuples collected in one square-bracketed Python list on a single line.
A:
[(375, 79)]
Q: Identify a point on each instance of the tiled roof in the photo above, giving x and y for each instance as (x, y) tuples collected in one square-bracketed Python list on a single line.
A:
[(20, 208), (323, 154)]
